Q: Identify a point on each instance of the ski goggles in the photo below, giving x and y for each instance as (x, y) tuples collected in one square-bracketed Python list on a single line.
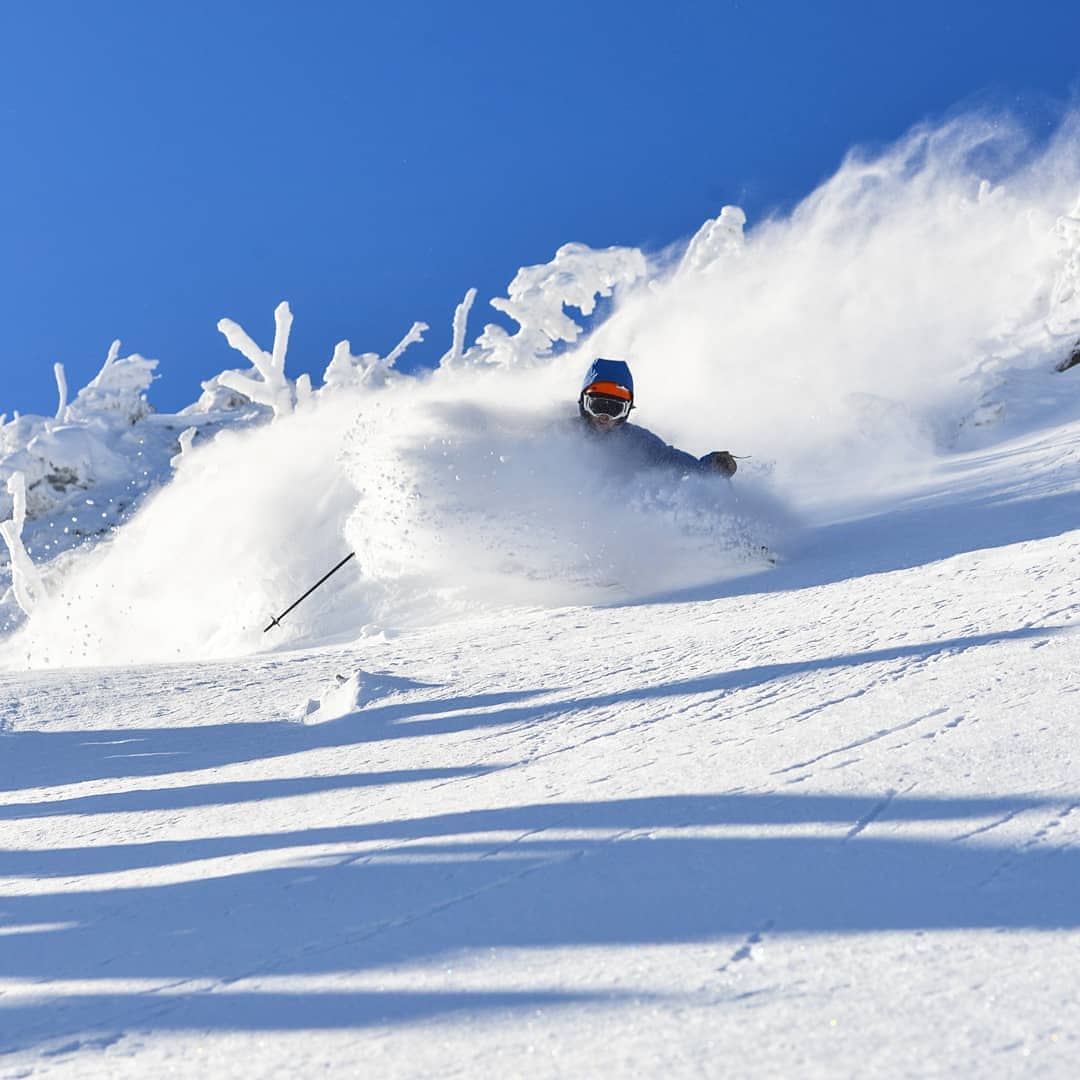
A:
[(613, 408)]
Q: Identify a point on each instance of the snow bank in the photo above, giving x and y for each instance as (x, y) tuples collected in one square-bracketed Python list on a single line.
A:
[(343, 698)]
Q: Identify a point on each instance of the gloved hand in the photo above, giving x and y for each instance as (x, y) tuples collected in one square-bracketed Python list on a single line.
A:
[(722, 461)]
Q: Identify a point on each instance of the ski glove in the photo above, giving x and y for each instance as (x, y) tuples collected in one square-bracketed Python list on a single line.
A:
[(722, 461)]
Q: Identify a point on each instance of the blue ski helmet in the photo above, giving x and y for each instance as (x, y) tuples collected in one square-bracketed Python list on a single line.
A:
[(609, 377)]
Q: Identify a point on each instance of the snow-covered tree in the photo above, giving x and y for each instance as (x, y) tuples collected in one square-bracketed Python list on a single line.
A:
[(118, 391), (271, 388), (25, 579), (367, 369), (537, 300)]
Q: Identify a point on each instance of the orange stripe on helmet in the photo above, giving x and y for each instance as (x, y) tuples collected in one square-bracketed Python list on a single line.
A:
[(610, 389)]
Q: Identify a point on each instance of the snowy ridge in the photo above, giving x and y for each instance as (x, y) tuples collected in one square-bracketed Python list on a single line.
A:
[(559, 780)]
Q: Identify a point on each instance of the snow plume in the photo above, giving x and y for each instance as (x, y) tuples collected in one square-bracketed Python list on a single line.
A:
[(463, 487), (848, 339), (246, 524), (487, 490), (1063, 318)]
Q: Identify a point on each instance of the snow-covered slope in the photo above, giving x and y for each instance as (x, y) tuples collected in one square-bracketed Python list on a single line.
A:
[(557, 781)]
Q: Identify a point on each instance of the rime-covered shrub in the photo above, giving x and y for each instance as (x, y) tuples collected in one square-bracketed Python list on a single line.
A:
[(216, 397), (368, 369), (270, 388), (117, 393), (537, 300), (25, 579)]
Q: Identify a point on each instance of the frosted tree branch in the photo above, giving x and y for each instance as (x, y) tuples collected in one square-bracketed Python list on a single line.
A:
[(187, 436), (110, 359), (282, 327), (368, 369), (303, 388), (416, 333), (61, 386), (456, 355), (25, 579), (538, 297), (273, 389)]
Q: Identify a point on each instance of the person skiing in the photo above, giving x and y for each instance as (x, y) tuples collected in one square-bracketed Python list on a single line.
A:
[(607, 396)]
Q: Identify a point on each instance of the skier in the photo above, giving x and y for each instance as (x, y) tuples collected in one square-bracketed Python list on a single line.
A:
[(607, 396)]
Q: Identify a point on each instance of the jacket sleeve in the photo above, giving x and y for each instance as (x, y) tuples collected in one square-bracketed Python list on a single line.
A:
[(659, 454)]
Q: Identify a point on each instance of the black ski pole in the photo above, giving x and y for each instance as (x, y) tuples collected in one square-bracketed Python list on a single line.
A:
[(277, 621)]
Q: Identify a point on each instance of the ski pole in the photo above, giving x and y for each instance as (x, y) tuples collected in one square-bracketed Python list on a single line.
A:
[(277, 620)]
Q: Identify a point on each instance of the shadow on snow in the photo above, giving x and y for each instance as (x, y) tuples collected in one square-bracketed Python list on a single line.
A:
[(49, 759), (356, 898), (632, 872)]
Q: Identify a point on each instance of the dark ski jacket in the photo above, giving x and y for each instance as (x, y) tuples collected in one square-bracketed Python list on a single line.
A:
[(629, 449)]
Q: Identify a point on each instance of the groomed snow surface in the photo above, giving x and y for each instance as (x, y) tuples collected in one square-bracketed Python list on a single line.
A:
[(562, 776)]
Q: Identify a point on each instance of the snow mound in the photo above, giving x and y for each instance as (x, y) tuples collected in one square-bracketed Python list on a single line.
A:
[(341, 700)]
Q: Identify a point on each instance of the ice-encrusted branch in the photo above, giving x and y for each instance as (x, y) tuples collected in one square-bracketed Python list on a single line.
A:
[(187, 436), (303, 388), (456, 354), (62, 389), (368, 369), (538, 297), (110, 359), (273, 389), (25, 579), (416, 333)]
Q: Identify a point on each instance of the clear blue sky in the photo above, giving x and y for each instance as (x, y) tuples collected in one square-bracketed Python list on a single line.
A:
[(168, 163)]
